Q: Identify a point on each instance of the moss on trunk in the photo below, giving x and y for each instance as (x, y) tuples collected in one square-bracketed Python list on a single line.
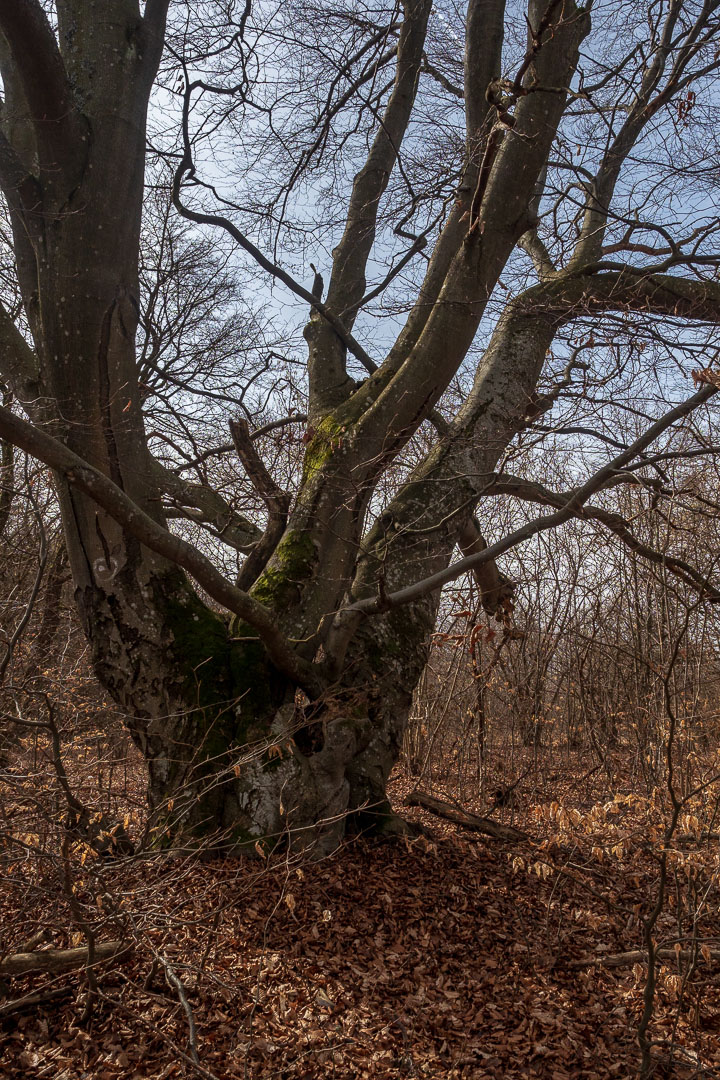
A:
[(228, 695), (291, 566)]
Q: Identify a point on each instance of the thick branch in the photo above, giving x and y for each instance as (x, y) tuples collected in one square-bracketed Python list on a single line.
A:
[(228, 448), (434, 73), (533, 246), (329, 384), (232, 528), (635, 290), (276, 500), (495, 588), (484, 33), (347, 283), (483, 55), (41, 73), (18, 362), (370, 605), (154, 21), (123, 510), (20, 188)]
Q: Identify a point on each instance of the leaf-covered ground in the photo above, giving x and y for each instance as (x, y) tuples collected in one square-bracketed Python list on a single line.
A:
[(447, 956)]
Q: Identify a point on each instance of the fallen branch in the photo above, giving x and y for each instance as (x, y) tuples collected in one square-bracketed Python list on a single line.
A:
[(176, 983), (33, 1001), (639, 956), (37, 939), (464, 817), (56, 960)]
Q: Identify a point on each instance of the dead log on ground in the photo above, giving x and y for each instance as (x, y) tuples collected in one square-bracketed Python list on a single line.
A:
[(464, 817), (57, 960), (34, 1001), (639, 956)]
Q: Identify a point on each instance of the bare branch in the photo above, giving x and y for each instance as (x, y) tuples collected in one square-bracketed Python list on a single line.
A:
[(579, 497), (616, 523), (275, 271), (122, 509), (276, 500)]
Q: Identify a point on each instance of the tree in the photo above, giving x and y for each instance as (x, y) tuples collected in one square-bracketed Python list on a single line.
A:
[(274, 706)]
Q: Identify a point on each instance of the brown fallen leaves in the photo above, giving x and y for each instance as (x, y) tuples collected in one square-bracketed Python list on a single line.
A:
[(453, 957)]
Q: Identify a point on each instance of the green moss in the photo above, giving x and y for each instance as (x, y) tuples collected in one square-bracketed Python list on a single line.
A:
[(278, 587), (201, 643), (228, 693), (229, 686), (327, 438)]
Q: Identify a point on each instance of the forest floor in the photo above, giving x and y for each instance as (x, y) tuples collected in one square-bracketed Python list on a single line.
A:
[(451, 955)]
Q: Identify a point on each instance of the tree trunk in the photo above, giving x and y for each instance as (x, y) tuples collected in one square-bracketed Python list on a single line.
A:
[(241, 749)]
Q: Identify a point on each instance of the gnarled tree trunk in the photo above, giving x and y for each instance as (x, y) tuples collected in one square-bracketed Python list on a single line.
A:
[(278, 711)]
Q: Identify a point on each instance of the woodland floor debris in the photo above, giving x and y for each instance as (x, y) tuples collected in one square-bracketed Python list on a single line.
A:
[(453, 957)]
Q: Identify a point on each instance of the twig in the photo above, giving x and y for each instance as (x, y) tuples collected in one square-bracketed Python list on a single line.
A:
[(177, 985)]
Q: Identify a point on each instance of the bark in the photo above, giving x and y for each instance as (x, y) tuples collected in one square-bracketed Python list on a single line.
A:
[(464, 818), (7, 478), (282, 716), (640, 956), (57, 960)]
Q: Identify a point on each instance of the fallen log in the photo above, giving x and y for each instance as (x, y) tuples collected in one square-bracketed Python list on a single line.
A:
[(34, 1001), (56, 960), (463, 817), (639, 956)]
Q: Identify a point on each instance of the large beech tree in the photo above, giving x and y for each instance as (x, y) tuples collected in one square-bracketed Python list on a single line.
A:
[(273, 705)]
